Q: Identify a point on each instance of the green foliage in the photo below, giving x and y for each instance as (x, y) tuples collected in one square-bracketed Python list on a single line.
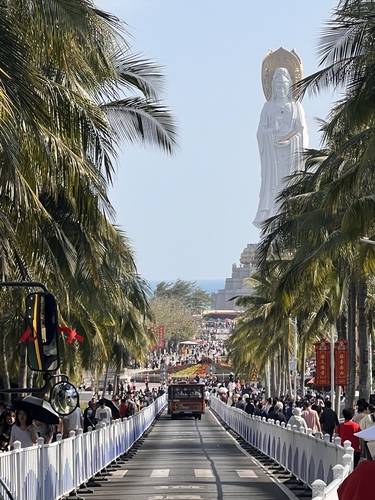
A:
[(179, 323), (191, 297), (71, 91)]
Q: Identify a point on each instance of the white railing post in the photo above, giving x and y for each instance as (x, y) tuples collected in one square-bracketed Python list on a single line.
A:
[(318, 487), (18, 471), (338, 471), (348, 458), (43, 466)]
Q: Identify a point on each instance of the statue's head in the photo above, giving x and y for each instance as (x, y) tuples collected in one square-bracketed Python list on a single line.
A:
[(281, 83)]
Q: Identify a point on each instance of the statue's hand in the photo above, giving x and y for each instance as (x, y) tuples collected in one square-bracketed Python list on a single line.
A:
[(282, 142), (287, 137)]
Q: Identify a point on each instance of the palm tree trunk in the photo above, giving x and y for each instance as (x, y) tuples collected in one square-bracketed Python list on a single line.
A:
[(22, 376), (273, 378), (288, 376), (342, 327), (105, 380), (278, 374), (352, 347), (363, 343), (303, 366), (370, 343), (4, 366)]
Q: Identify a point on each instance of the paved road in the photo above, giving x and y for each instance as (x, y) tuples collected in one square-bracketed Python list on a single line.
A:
[(189, 459)]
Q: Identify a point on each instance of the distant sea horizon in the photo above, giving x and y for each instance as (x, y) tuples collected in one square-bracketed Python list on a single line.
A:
[(209, 286)]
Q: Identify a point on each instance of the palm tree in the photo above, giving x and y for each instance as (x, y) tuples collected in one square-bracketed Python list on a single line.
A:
[(64, 72)]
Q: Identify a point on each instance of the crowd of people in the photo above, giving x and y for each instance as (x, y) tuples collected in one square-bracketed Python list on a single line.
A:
[(119, 404), (16, 426), (185, 354), (308, 412), (311, 411), (20, 425)]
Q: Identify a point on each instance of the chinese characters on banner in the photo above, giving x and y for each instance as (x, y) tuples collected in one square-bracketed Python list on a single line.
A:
[(323, 363), (341, 362), (254, 374), (161, 339)]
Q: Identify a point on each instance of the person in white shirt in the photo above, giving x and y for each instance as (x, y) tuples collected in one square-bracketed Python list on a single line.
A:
[(297, 420), (72, 422), (103, 414), (23, 430)]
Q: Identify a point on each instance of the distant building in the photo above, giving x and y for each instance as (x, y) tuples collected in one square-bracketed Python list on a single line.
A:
[(234, 286), (218, 325)]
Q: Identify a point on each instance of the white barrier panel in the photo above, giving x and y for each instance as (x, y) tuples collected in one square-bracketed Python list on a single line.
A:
[(48, 472), (307, 457)]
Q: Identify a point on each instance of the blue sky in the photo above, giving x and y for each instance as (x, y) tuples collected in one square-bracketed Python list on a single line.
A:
[(190, 216)]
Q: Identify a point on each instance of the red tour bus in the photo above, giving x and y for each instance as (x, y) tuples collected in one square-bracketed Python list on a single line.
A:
[(186, 399)]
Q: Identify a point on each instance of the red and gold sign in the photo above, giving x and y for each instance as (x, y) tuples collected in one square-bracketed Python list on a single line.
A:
[(254, 374), (341, 362), (323, 363)]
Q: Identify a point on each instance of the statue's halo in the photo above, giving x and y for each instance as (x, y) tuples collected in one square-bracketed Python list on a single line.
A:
[(281, 58)]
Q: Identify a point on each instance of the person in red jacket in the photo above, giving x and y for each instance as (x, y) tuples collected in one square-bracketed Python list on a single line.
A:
[(123, 408), (346, 432), (359, 483)]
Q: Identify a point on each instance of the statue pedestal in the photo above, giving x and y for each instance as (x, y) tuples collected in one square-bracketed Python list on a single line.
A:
[(235, 284)]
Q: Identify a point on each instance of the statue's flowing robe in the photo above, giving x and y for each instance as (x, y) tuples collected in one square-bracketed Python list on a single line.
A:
[(278, 160)]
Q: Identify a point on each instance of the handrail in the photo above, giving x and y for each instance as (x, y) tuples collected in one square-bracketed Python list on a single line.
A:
[(4, 487), (36, 473), (317, 462)]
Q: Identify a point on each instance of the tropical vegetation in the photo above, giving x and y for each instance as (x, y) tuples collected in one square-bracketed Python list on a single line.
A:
[(314, 275), (177, 307), (72, 94)]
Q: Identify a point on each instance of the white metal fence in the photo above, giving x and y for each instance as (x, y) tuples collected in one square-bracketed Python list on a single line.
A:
[(314, 460), (47, 472)]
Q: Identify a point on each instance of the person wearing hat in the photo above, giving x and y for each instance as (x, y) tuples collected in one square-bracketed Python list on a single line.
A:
[(296, 419), (89, 416)]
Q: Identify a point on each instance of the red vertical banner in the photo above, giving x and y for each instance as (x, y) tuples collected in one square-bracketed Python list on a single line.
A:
[(323, 363), (341, 362), (161, 339)]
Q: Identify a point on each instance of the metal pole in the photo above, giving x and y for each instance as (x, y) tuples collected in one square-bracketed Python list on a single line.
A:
[(295, 356), (332, 366), (24, 284)]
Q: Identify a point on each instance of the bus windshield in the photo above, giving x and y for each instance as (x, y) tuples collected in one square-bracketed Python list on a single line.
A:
[(186, 399), (186, 391)]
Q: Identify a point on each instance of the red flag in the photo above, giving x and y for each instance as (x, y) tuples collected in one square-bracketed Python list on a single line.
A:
[(72, 334), (27, 336)]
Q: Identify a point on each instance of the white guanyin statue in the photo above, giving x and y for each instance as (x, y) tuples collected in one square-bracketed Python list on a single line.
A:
[(282, 135)]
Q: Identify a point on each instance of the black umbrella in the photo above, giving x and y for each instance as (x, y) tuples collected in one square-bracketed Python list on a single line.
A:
[(114, 408), (39, 409)]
